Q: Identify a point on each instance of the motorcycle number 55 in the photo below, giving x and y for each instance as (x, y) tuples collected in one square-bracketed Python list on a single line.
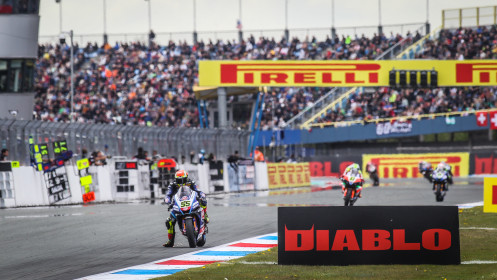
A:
[(185, 203)]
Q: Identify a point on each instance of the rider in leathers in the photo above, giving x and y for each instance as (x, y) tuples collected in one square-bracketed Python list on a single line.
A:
[(356, 169), (181, 179), (445, 167)]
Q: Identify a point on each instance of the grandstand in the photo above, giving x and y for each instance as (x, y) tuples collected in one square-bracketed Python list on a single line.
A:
[(131, 83)]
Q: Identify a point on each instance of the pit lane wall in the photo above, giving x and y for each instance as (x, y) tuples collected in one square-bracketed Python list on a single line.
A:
[(127, 180)]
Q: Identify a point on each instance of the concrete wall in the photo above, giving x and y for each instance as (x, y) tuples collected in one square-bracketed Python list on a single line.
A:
[(19, 36)]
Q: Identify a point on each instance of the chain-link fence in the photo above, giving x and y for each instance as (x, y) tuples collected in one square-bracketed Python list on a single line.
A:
[(120, 140)]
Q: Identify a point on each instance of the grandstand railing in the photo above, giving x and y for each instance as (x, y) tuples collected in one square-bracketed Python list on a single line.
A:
[(164, 37), (406, 53), (121, 140), (310, 114), (417, 47), (473, 16), (399, 118)]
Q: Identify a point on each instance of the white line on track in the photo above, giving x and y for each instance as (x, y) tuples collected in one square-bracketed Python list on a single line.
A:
[(479, 228), (479, 262)]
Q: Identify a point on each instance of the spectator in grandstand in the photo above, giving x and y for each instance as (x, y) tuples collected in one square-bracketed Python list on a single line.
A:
[(4, 156), (132, 83), (463, 43)]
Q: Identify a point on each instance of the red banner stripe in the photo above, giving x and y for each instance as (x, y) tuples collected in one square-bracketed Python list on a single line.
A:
[(494, 195), (254, 245)]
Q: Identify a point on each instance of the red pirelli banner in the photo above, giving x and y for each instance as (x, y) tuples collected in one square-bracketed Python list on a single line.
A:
[(406, 165), (341, 73)]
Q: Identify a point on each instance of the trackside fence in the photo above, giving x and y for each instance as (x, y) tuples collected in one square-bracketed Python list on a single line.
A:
[(120, 140)]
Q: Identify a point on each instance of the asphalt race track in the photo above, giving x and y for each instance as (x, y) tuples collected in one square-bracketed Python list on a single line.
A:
[(76, 241)]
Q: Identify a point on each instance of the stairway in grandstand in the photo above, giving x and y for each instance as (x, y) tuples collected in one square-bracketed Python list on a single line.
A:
[(338, 97)]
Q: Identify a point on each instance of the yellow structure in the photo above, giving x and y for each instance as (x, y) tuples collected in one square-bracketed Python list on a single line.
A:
[(490, 195)]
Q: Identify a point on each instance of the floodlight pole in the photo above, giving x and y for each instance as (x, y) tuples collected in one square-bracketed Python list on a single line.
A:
[(195, 22), (287, 33), (333, 30), (427, 17), (72, 77), (380, 28), (105, 22)]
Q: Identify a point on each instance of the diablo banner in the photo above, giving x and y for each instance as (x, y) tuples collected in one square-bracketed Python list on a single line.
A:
[(406, 165), (394, 127), (288, 175), (341, 73), (340, 235)]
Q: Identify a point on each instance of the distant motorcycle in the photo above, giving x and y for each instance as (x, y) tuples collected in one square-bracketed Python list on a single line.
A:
[(351, 183), (373, 174), (427, 171), (440, 184), (190, 216)]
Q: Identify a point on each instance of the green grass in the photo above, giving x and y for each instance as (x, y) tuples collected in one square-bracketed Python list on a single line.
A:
[(476, 244)]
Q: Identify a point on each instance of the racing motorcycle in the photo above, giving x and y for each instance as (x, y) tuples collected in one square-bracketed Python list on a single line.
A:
[(427, 172), (440, 184), (189, 214), (351, 181), (373, 174)]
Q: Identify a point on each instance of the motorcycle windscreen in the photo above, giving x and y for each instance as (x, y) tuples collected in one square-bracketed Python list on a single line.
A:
[(184, 191)]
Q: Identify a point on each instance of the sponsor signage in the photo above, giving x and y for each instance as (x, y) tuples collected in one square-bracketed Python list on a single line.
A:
[(126, 165), (57, 184), (406, 165), (483, 163), (394, 127), (368, 235), (288, 175), (339, 73), (490, 195)]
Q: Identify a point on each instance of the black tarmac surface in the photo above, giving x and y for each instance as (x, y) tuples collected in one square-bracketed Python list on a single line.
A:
[(75, 241)]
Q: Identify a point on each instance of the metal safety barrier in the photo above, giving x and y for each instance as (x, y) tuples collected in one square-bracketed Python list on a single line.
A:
[(120, 140)]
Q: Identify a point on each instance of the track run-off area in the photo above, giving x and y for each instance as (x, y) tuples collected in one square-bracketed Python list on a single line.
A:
[(70, 242)]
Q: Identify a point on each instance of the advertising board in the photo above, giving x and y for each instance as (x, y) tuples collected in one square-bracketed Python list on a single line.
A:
[(330, 73), (288, 175), (406, 165), (337, 235)]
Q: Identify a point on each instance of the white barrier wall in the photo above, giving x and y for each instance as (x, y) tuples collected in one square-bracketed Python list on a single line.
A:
[(261, 179), (30, 187)]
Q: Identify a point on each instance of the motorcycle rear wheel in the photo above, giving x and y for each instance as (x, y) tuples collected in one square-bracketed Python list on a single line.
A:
[(190, 233)]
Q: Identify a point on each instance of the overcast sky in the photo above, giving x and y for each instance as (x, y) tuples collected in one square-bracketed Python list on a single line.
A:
[(131, 16)]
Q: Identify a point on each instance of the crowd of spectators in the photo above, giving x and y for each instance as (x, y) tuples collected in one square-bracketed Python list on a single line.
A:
[(132, 83), (388, 102), (462, 43)]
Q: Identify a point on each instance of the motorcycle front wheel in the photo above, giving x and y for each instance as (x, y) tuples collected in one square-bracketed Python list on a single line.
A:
[(438, 194), (190, 233), (348, 198)]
